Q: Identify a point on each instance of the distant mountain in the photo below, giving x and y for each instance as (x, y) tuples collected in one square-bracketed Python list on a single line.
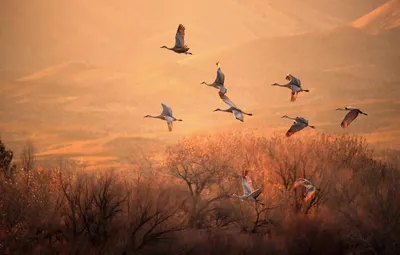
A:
[(345, 10), (129, 33), (88, 71), (386, 17)]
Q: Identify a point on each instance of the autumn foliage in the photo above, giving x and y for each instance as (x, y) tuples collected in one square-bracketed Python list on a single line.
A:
[(183, 204)]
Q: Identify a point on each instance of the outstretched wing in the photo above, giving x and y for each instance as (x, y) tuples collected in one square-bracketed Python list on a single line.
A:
[(256, 193), (180, 36), (349, 118), (302, 120), (294, 96), (295, 128), (226, 100), (295, 81), (246, 186), (167, 111), (302, 181), (238, 115), (222, 89), (220, 77), (170, 123), (309, 192)]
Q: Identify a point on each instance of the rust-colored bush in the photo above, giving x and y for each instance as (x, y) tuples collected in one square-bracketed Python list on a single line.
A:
[(182, 204)]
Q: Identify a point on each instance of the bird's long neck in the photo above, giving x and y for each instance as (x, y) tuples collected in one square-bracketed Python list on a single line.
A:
[(287, 117), (220, 110), (168, 48), (342, 109), (234, 195), (282, 85), (249, 114), (208, 84), (155, 117)]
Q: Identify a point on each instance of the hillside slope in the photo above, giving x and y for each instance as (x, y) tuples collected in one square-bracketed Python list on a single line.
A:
[(128, 34), (385, 17)]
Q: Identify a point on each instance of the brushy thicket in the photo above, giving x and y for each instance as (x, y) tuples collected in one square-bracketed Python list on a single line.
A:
[(181, 204)]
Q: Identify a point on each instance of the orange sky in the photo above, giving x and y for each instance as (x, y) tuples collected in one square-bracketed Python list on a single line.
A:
[(77, 77)]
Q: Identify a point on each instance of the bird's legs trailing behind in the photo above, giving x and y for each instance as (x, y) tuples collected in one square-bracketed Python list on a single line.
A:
[(250, 114)]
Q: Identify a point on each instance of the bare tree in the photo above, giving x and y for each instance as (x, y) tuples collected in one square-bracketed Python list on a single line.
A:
[(204, 173), (298, 158), (154, 212), (27, 157), (371, 211), (92, 203)]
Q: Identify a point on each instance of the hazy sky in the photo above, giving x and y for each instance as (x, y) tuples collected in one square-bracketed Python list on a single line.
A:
[(77, 77)]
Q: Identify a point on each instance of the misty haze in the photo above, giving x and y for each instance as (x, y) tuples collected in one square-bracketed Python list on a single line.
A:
[(83, 172)]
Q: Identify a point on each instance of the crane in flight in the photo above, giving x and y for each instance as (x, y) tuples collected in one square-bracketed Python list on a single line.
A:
[(309, 188), (298, 124), (219, 81), (180, 46), (350, 116), (237, 113), (166, 115), (249, 193), (294, 85)]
